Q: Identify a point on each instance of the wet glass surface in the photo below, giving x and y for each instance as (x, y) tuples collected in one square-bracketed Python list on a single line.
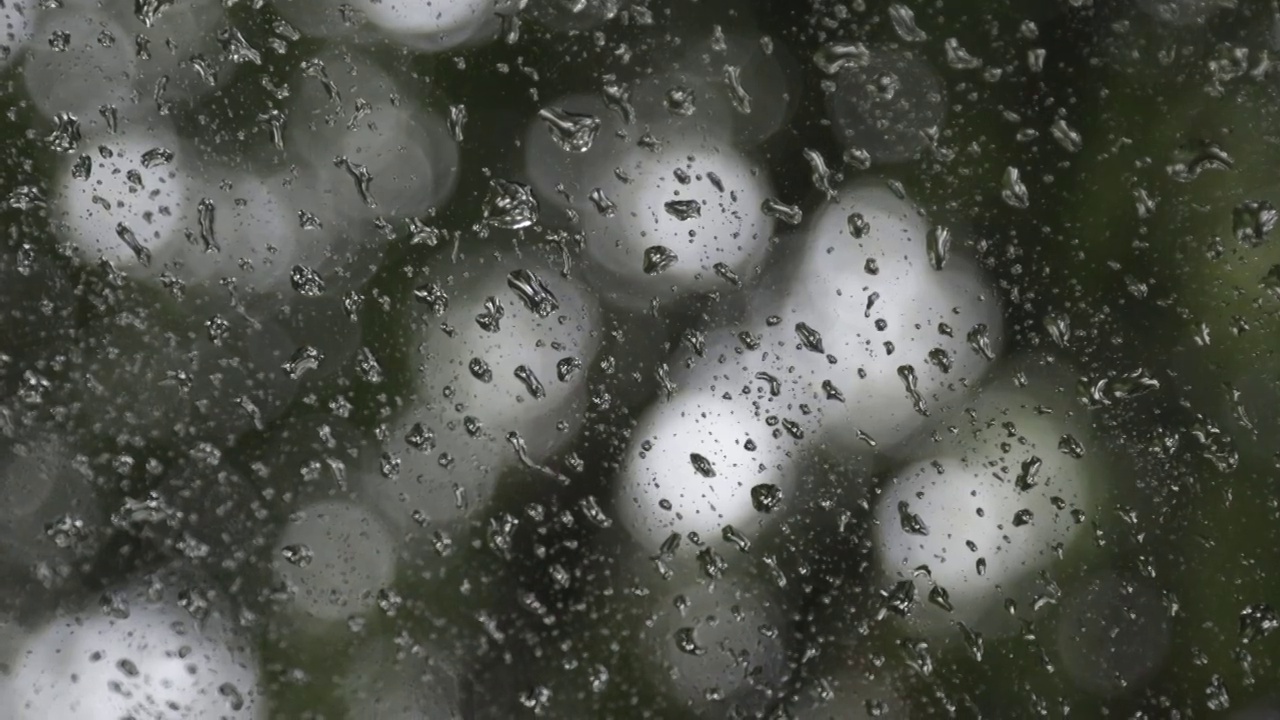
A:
[(639, 359)]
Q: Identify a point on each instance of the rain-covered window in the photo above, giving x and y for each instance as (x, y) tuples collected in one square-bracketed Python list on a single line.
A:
[(787, 359)]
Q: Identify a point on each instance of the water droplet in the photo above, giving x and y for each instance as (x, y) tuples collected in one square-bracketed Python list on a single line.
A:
[(683, 209), (306, 282), (979, 338), (938, 246), (819, 173), (899, 599), (1258, 621), (939, 596), (510, 205), (299, 554), (782, 212), (911, 523), (681, 101), (858, 228), (572, 132), (1059, 327), (904, 23), (1206, 156), (434, 297), (131, 241), (726, 273), (737, 94), (1029, 475), (457, 121), (491, 319), (911, 382), (766, 497), (733, 535), (204, 219), (531, 383), (1252, 221), (534, 292), (834, 57), (567, 367), (363, 179), (958, 58), (304, 359), (480, 370), (702, 465), (686, 643), (658, 258), (1013, 191), (809, 338), (66, 133), (1066, 136)]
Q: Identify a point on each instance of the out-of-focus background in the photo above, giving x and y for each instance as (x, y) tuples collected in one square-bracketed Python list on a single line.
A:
[(639, 359)]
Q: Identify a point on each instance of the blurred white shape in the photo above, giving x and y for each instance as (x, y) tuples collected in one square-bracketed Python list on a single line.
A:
[(718, 647), (695, 463), (178, 50), (364, 148), (682, 210), (235, 226), (552, 169), (493, 360), (888, 105), (432, 25), (1114, 634), (741, 88), (143, 201), (997, 502), (17, 22), (78, 61), (132, 206), (140, 658), (334, 556), (863, 317)]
